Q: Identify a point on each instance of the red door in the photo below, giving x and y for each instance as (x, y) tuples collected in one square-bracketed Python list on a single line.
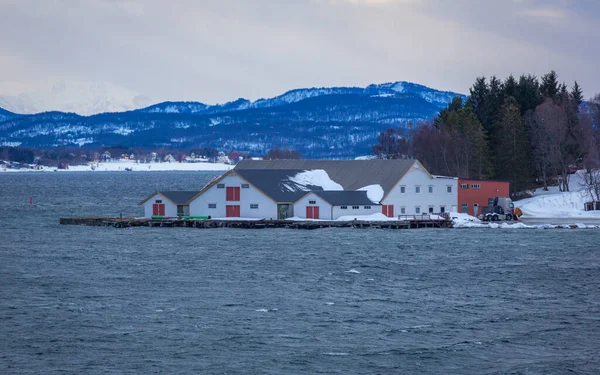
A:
[(232, 211), (158, 209), (388, 210), (312, 212), (233, 193), (309, 212)]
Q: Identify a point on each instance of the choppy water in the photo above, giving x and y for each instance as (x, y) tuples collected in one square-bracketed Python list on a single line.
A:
[(150, 300)]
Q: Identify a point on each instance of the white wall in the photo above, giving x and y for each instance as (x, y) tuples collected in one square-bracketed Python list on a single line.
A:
[(267, 209), (362, 211), (324, 207), (170, 208), (417, 176)]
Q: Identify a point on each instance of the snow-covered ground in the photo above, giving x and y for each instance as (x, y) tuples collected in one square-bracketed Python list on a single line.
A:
[(460, 220), (137, 167), (556, 204)]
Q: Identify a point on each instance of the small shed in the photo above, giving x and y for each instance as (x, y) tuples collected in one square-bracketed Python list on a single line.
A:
[(592, 206), (167, 203), (331, 205)]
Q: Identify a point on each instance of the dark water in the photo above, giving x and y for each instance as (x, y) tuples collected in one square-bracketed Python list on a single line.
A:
[(151, 300)]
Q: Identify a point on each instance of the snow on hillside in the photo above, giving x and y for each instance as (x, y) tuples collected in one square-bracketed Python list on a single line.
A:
[(83, 98), (556, 204)]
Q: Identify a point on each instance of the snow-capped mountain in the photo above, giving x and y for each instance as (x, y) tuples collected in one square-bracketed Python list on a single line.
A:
[(339, 122), (395, 89), (83, 98)]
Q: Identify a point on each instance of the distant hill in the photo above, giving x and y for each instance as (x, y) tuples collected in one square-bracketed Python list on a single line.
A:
[(6, 115), (339, 122)]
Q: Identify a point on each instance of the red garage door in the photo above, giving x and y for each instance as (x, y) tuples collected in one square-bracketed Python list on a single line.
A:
[(312, 212), (232, 211), (158, 209), (388, 210)]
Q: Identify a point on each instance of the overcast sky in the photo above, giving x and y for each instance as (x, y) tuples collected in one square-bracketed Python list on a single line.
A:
[(218, 50)]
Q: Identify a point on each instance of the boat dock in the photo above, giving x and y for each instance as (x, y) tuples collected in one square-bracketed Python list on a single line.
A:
[(252, 224)]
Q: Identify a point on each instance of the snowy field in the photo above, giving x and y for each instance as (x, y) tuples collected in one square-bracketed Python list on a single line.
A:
[(556, 204), (136, 167)]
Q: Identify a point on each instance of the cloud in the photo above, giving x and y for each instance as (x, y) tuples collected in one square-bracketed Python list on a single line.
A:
[(216, 50)]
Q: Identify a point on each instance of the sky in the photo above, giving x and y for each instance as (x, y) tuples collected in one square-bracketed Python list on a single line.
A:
[(219, 50)]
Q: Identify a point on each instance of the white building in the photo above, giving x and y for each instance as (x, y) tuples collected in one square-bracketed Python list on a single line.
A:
[(278, 189), (167, 203), (331, 205)]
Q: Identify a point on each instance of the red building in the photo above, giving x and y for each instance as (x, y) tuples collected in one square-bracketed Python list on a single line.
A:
[(474, 195)]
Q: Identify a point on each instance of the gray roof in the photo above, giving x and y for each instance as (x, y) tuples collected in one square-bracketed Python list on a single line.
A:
[(276, 183), (179, 197), (345, 198), (351, 174)]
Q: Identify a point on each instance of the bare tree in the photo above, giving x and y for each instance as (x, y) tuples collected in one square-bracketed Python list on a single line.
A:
[(390, 145), (282, 153), (549, 137)]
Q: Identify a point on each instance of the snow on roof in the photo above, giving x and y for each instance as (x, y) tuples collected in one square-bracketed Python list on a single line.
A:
[(316, 177), (374, 192)]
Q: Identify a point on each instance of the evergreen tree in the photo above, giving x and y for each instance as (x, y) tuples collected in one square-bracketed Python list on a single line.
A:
[(528, 93), (510, 87), (576, 95), (470, 153), (513, 161), (549, 87)]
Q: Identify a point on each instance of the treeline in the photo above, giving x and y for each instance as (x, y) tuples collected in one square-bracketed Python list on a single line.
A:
[(528, 131)]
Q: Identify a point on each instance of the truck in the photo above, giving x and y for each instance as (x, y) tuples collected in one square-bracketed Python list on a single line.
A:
[(500, 209)]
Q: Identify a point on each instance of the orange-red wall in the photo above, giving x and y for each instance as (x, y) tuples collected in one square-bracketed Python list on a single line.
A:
[(489, 189)]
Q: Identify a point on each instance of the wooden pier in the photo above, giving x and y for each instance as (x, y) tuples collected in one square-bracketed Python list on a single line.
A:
[(250, 224)]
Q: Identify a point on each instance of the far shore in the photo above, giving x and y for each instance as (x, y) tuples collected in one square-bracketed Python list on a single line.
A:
[(131, 166)]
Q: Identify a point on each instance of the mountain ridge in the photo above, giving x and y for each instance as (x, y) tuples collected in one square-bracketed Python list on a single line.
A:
[(337, 122)]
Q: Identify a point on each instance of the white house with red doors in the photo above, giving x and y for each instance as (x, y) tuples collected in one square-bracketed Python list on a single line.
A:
[(232, 196), (167, 203), (324, 189)]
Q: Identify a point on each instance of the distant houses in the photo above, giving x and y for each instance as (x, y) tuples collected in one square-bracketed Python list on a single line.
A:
[(315, 189)]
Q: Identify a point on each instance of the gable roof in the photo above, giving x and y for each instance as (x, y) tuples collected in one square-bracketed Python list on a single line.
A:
[(351, 174), (176, 197), (345, 198), (277, 184)]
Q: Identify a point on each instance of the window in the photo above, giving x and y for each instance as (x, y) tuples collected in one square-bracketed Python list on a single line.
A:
[(220, 186), (312, 202), (431, 190), (476, 186), (212, 205), (403, 210), (355, 207), (402, 189), (417, 210), (430, 209), (343, 207), (254, 206), (442, 209), (158, 201), (449, 189), (245, 186), (367, 207), (464, 186), (417, 189)]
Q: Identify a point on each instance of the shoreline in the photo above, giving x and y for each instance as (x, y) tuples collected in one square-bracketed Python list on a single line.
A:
[(132, 167)]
